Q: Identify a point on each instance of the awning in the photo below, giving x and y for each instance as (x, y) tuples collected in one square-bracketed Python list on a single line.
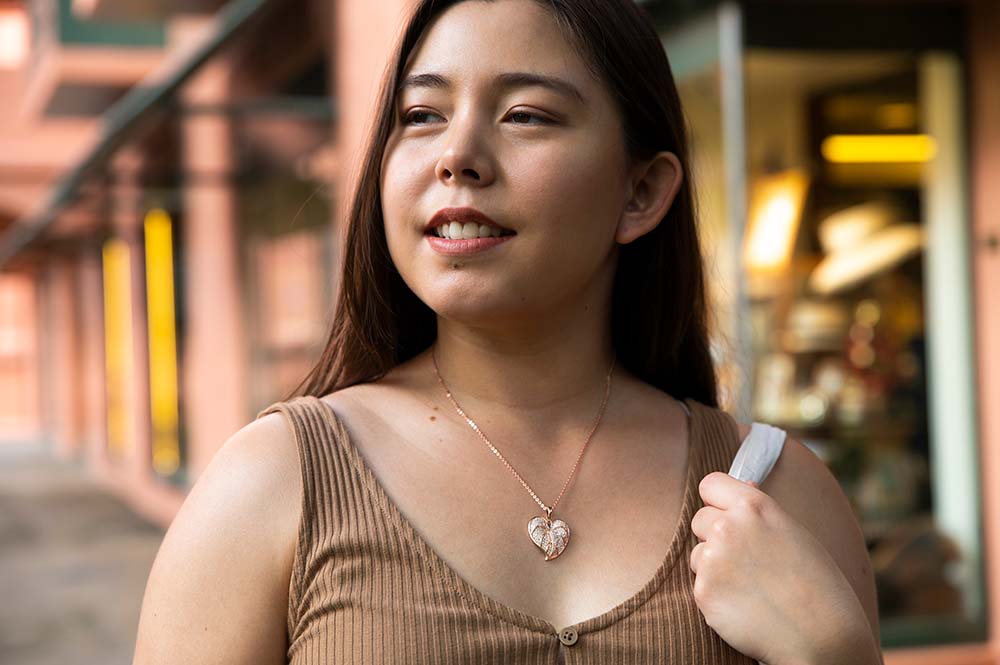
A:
[(126, 114)]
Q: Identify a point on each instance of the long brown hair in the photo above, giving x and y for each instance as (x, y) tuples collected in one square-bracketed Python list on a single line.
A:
[(659, 311)]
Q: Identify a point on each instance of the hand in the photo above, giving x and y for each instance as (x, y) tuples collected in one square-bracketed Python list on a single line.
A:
[(764, 583)]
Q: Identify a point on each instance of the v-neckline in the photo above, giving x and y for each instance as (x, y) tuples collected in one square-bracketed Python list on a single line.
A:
[(487, 603)]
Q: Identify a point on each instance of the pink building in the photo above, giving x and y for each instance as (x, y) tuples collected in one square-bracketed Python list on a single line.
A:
[(173, 176)]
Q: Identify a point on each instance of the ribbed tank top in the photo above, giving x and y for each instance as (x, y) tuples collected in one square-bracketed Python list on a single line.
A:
[(367, 588)]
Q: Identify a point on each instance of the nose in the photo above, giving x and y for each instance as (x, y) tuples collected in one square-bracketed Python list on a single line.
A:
[(465, 159)]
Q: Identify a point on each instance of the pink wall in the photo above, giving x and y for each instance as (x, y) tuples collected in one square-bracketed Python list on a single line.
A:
[(985, 169), (20, 419)]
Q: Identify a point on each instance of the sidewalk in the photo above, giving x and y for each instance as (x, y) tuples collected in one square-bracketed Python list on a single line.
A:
[(73, 565)]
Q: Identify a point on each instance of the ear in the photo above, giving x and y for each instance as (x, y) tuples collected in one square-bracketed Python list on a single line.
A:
[(653, 185)]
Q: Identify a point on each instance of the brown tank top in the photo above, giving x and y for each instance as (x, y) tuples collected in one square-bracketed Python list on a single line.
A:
[(367, 588)]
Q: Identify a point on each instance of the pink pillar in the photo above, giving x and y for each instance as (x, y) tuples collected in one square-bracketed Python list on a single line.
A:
[(213, 370), (365, 34), (57, 357), (63, 340), (93, 407)]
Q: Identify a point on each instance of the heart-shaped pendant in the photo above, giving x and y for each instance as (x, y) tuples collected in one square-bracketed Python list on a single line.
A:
[(551, 536)]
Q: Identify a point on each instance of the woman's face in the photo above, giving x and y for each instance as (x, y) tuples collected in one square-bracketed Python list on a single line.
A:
[(541, 162)]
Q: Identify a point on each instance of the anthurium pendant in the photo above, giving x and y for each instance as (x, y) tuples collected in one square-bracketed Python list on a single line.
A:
[(551, 536)]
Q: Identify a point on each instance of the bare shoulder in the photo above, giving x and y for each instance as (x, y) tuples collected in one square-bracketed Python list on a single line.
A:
[(385, 403), (805, 488), (364, 404), (218, 588)]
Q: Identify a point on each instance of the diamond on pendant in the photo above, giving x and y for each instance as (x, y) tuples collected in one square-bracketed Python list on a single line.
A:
[(551, 536)]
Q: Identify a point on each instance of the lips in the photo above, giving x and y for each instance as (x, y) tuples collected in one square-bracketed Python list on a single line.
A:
[(460, 215)]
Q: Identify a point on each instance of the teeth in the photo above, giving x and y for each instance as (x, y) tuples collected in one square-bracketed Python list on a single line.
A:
[(469, 230)]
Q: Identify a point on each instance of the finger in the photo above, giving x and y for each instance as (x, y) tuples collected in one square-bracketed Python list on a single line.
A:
[(701, 523), (723, 491), (695, 557)]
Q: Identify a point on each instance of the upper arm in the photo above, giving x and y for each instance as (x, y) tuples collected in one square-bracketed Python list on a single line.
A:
[(805, 488), (218, 588)]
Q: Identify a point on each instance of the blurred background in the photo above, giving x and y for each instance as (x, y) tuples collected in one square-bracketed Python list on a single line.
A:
[(173, 176)]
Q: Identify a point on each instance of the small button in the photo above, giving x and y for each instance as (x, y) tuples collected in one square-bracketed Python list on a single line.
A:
[(568, 636)]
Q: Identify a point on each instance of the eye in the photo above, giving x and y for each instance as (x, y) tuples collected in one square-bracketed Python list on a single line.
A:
[(524, 114), (409, 118), (413, 117)]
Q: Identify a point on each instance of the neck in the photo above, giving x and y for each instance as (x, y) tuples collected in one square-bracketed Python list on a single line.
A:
[(550, 373), (546, 381)]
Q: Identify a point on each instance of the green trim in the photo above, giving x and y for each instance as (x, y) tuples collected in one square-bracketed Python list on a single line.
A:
[(74, 32)]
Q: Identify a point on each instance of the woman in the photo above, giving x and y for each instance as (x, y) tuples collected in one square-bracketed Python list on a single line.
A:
[(522, 285)]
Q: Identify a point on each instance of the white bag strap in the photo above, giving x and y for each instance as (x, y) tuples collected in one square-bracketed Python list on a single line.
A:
[(758, 453)]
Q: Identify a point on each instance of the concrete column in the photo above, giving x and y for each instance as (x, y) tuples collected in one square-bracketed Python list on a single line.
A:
[(64, 375), (56, 357), (214, 367), (93, 409), (365, 33)]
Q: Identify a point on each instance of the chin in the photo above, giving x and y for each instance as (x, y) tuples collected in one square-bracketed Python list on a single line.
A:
[(481, 311)]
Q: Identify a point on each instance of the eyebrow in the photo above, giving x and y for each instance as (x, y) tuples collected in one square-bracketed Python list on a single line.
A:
[(506, 80)]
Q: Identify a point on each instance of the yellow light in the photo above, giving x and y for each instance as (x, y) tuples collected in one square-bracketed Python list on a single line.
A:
[(118, 344), (768, 246), (162, 342), (774, 220), (878, 148)]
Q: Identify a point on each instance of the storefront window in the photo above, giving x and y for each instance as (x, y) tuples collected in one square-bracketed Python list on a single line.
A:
[(838, 226), (846, 158)]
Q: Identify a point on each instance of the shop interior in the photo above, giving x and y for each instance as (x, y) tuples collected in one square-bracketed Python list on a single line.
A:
[(828, 318)]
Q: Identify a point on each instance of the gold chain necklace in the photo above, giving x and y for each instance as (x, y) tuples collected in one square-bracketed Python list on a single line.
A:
[(551, 536)]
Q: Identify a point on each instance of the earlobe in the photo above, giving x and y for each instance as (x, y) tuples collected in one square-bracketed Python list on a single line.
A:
[(655, 186)]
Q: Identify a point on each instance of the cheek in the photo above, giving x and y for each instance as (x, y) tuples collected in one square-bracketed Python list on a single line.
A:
[(576, 191), (403, 180), (403, 188)]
